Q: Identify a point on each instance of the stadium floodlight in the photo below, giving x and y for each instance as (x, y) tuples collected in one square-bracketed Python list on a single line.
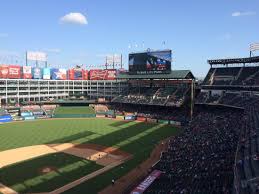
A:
[(253, 47)]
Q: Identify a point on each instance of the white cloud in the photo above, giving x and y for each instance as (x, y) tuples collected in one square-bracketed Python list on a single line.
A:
[(245, 13), (3, 35), (74, 18)]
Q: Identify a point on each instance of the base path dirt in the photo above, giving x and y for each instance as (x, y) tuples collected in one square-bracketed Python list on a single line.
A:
[(6, 190), (130, 180)]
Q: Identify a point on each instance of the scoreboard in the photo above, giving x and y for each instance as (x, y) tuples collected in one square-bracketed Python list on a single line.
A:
[(150, 62)]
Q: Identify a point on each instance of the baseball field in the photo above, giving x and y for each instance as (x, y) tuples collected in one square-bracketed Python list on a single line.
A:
[(44, 155)]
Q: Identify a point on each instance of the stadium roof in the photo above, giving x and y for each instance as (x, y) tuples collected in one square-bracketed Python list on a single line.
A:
[(175, 74), (234, 61)]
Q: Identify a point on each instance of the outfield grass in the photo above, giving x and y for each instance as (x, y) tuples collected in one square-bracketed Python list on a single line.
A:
[(28, 176), (134, 137), (74, 110)]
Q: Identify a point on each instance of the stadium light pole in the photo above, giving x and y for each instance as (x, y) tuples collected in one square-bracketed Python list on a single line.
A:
[(192, 97)]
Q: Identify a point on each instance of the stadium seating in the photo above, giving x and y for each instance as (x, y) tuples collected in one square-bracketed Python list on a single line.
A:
[(163, 96), (232, 76), (201, 159)]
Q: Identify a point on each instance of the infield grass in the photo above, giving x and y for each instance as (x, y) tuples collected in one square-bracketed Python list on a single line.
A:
[(136, 138)]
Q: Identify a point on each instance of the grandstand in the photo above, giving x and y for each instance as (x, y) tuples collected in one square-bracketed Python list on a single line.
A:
[(223, 133), (14, 91), (161, 90)]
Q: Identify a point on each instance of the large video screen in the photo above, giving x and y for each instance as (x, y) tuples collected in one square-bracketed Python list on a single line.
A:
[(153, 62)]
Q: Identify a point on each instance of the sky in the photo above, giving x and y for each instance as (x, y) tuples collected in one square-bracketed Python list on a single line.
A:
[(85, 31)]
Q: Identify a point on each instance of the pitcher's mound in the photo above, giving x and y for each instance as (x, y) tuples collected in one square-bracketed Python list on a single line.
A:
[(47, 169)]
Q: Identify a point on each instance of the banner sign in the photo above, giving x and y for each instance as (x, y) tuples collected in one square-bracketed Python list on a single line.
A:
[(128, 113), (14, 72), (147, 182), (26, 71), (5, 118), (25, 114), (37, 74), (29, 118), (177, 123), (131, 117), (141, 119), (46, 73), (58, 74), (100, 74), (78, 74), (38, 112), (4, 71), (100, 116), (110, 116), (151, 120), (118, 117), (163, 121)]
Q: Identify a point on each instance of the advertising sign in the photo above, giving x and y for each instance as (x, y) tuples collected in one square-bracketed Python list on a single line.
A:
[(14, 72), (4, 71), (100, 115), (78, 75), (5, 118), (36, 73), (97, 74), (100, 74), (58, 74), (143, 119), (110, 74), (118, 117), (29, 118), (147, 182), (24, 114), (150, 62), (71, 74), (151, 120), (26, 71), (131, 117), (85, 74), (163, 121), (46, 73), (177, 123)]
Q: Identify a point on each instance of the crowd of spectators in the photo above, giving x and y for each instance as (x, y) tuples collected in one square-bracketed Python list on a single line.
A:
[(237, 99), (247, 157), (166, 113), (162, 96), (201, 159)]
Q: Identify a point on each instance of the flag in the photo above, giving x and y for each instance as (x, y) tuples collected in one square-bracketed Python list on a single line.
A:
[(254, 46)]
